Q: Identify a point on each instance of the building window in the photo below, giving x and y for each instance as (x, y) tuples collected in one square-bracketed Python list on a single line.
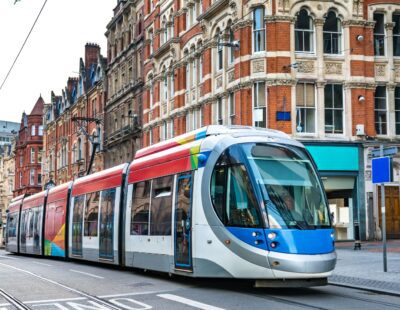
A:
[(332, 34), (258, 30), (39, 177), (396, 34), (220, 54), (231, 56), (334, 108), (20, 179), (220, 119), (231, 108), (79, 149), (304, 32), (40, 155), (379, 34), (32, 177), (305, 107), (187, 76), (151, 94), (165, 131), (171, 129), (151, 42), (380, 111), (397, 109), (259, 108), (41, 130), (200, 70), (32, 155), (150, 136), (33, 130), (194, 73)]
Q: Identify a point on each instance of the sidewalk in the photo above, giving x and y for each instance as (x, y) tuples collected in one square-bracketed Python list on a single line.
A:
[(364, 269)]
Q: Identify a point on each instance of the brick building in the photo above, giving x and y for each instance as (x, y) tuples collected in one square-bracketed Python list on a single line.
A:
[(78, 110), (325, 72), (123, 108), (28, 152)]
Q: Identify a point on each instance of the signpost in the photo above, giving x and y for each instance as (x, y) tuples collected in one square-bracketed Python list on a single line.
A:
[(381, 174)]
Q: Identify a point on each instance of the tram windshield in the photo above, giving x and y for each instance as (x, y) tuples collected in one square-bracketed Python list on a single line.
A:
[(291, 190)]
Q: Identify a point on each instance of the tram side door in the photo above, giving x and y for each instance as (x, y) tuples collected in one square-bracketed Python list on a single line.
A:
[(183, 222), (106, 246), (77, 225)]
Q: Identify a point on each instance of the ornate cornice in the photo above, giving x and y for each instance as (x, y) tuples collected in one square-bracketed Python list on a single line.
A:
[(279, 18), (360, 85), (242, 24)]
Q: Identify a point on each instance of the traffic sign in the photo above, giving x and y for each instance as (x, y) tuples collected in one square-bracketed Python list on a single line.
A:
[(381, 170)]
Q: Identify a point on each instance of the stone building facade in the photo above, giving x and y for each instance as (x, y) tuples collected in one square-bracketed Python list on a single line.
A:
[(7, 179), (325, 72), (29, 151), (123, 108), (74, 120)]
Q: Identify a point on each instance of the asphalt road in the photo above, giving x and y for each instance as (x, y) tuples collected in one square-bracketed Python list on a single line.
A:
[(37, 283)]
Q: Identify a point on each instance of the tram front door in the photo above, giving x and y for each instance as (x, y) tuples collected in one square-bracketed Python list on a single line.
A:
[(183, 222)]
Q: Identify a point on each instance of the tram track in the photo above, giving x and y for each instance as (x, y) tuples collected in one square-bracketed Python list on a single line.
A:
[(101, 301), (19, 305)]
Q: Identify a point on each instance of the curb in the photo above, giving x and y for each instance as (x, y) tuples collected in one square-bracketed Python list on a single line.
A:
[(365, 288)]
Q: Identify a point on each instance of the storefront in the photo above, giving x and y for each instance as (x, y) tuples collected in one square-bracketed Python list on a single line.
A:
[(341, 168)]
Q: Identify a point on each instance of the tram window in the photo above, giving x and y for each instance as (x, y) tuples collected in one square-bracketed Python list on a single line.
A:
[(30, 221), (91, 214), (140, 208), (12, 225), (233, 197), (161, 206)]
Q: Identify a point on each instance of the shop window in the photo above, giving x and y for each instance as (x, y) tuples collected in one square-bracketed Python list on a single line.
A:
[(334, 108), (258, 30), (305, 107), (259, 105), (380, 110), (304, 32), (379, 34), (332, 34)]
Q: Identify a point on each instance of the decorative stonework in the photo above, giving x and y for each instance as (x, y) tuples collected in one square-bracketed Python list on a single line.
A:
[(231, 76), (219, 82), (305, 67), (358, 8), (258, 66), (333, 68), (283, 6), (397, 71), (380, 69)]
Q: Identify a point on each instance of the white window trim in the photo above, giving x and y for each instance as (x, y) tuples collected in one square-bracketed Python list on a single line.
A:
[(339, 135), (316, 124)]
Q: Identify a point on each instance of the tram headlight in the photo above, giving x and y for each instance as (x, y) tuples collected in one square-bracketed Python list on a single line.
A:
[(271, 235), (274, 245), (333, 236)]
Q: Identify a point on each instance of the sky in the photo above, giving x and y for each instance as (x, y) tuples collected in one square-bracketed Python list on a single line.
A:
[(52, 52)]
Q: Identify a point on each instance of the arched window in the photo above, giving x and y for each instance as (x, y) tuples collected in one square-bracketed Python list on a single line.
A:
[(258, 30), (151, 92), (379, 34), (220, 52), (304, 32), (164, 35), (396, 34), (332, 34)]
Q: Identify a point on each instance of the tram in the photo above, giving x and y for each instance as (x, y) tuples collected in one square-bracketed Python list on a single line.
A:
[(220, 202)]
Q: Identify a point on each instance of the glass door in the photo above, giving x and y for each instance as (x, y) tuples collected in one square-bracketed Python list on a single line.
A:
[(183, 222), (77, 224), (106, 247)]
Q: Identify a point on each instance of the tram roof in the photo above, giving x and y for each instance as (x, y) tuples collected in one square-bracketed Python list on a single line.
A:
[(16, 203), (98, 181), (209, 131), (34, 200), (58, 192)]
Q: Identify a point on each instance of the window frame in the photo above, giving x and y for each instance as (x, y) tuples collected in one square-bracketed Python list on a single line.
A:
[(386, 110), (304, 106), (339, 33), (397, 110), (310, 31), (333, 108), (383, 35), (255, 107), (262, 44)]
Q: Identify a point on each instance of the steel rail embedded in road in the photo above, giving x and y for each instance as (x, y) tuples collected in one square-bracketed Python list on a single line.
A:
[(101, 301), (14, 301)]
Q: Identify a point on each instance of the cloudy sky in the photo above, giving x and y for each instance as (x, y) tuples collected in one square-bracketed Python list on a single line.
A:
[(53, 50)]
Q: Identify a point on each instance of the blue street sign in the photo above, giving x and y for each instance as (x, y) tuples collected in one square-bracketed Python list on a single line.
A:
[(381, 170)]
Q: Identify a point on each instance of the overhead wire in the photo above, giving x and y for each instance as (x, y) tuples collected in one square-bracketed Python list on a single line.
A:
[(23, 45)]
